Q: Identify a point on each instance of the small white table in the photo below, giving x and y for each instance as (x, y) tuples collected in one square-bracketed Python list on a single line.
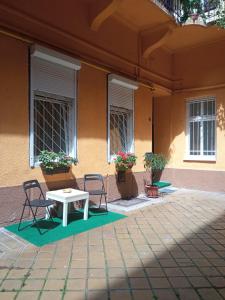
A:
[(65, 198)]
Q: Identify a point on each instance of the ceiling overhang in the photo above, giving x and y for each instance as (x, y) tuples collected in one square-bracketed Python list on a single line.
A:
[(155, 38), (100, 11)]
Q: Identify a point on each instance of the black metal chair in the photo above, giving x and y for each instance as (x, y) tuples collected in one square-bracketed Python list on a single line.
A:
[(98, 178), (40, 201)]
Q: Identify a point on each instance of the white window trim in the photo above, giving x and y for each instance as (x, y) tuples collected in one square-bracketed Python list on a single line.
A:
[(128, 84), (187, 156), (66, 61), (55, 57)]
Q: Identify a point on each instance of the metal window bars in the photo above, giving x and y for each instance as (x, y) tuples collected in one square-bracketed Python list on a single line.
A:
[(202, 122), (120, 129), (52, 130)]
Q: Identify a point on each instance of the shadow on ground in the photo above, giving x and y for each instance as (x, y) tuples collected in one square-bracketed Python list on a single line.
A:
[(181, 260)]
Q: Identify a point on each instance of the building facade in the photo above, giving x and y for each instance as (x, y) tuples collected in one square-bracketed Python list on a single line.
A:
[(93, 77)]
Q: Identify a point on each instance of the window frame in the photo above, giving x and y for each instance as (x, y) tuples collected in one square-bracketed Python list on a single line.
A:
[(130, 126), (116, 79), (66, 61), (201, 157)]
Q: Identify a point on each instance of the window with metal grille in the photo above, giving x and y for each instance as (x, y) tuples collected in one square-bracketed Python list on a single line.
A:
[(120, 115), (52, 103), (120, 129), (52, 124), (201, 128)]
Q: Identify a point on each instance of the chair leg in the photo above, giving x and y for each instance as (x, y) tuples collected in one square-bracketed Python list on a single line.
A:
[(100, 202), (35, 213), (106, 203), (34, 219), (21, 218)]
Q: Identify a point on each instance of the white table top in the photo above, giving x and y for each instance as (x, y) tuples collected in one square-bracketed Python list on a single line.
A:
[(60, 195)]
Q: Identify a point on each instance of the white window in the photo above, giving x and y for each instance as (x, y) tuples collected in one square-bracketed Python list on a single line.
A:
[(120, 115), (53, 103), (201, 129)]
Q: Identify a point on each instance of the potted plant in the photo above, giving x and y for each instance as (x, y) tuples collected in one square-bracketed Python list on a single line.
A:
[(52, 162), (123, 162), (155, 163)]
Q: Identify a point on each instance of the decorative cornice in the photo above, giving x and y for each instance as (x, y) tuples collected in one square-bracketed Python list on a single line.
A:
[(99, 12), (77, 40), (202, 88), (156, 38)]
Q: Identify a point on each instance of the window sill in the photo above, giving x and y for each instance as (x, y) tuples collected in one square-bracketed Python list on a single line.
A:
[(200, 158)]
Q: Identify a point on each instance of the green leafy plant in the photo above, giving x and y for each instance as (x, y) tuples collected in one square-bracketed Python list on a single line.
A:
[(124, 161), (51, 161), (190, 7), (156, 163), (220, 15), (201, 8)]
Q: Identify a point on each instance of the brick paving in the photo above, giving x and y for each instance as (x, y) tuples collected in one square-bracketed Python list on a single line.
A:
[(170, 251)]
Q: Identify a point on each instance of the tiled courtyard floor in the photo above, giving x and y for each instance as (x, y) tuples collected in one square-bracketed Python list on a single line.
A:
[(174, 250)]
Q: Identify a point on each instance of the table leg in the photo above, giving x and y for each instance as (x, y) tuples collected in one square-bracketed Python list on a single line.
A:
[(47, 216), (65, 214), (86, 206)]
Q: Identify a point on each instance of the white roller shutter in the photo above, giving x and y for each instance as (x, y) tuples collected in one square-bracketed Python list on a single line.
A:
[(52, 78), (120, 96)]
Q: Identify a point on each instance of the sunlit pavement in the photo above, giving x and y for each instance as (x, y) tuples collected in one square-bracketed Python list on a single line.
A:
[(172, 250)]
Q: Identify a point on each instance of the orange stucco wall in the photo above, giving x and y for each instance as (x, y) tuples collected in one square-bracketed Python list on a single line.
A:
[(170, 126), (14, 111), (91, 120), (200, 72), (115, 44), (200, 66)]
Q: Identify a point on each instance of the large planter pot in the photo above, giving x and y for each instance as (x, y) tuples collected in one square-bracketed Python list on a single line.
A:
[(125, 184), (121, 176), (152, 191)]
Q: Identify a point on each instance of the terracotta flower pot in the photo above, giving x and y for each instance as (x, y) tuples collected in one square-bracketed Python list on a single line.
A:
[(194, 17), (152, 191)]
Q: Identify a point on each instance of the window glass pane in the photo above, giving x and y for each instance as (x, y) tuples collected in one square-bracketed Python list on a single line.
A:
[(195, 109), (194, 138), (202, 124), (209, 137), (209, 108), (120, 121), (51, 125)]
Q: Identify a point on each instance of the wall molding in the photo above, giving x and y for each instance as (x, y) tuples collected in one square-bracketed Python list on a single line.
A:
[(203, 88), (69, 36)]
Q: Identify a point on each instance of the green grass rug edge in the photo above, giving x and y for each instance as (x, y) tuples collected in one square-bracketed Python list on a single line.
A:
[(162, 184), (76, 226)]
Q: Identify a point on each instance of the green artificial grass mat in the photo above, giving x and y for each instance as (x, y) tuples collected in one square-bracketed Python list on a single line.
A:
[(54, 231), (161, 184)]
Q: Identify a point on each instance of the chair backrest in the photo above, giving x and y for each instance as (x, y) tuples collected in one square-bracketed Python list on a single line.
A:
[(30, 185), (94, 177)]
